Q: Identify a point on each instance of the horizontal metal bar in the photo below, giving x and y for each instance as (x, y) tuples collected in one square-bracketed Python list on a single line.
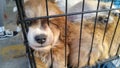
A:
[(69, 14)]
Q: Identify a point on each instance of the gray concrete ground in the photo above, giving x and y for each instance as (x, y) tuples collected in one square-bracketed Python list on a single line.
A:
[(15, 63), (12, 50)]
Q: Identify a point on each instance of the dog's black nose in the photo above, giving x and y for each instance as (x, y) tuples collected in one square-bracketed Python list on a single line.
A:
[(41, 38)]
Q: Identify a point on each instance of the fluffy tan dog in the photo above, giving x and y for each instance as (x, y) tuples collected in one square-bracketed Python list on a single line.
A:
[(43, 37), (99, 51)]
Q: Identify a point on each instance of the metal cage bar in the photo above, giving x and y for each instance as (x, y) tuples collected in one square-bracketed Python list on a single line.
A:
[(47, 12), (19, 4), (114, 33), (93, 32), (68, 14), (107, 22), (29, 51), (80, 32), (66, 5), (118, 50)]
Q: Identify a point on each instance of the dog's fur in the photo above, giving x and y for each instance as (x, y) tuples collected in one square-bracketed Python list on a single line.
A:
[(56, 38), (99, 51), (89, 5), (43, 51)]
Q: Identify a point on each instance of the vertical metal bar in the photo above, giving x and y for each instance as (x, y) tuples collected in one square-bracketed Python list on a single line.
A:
[(66, 9), (23, 27), (107, 22), (26, 43), (80, 33), (23, 12), (32, 57), (118, 50), (114, 34), (47, 12), (93, 32), (22, 16)]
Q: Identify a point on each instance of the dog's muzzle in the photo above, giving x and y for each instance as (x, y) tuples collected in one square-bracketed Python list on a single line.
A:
[(41, 39)]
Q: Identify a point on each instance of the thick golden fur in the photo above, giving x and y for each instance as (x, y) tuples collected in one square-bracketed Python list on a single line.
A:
[(58, 52), (99, 50), (43, 57)]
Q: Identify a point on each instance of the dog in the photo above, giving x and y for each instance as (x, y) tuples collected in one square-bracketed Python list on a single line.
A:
[(89, 5), (43, 37)]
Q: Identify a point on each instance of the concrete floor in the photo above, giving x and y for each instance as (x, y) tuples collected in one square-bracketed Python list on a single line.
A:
[(12, 50), (15, 63)]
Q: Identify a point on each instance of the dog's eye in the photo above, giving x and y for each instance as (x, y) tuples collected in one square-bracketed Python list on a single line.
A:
[(28, 23)]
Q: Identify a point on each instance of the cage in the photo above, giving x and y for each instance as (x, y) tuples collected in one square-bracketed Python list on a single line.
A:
[(24, 21)]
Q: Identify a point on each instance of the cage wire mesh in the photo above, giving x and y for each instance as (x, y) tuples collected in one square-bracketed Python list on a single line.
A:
[(102, 64)]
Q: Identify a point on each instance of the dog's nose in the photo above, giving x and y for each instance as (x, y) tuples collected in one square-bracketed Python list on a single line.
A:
[(41, 38)]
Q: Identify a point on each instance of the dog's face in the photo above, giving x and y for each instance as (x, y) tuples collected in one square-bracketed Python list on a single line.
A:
[(39, 34)]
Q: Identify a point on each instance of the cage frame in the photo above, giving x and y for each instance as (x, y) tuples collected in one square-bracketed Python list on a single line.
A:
[(23, 21)]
